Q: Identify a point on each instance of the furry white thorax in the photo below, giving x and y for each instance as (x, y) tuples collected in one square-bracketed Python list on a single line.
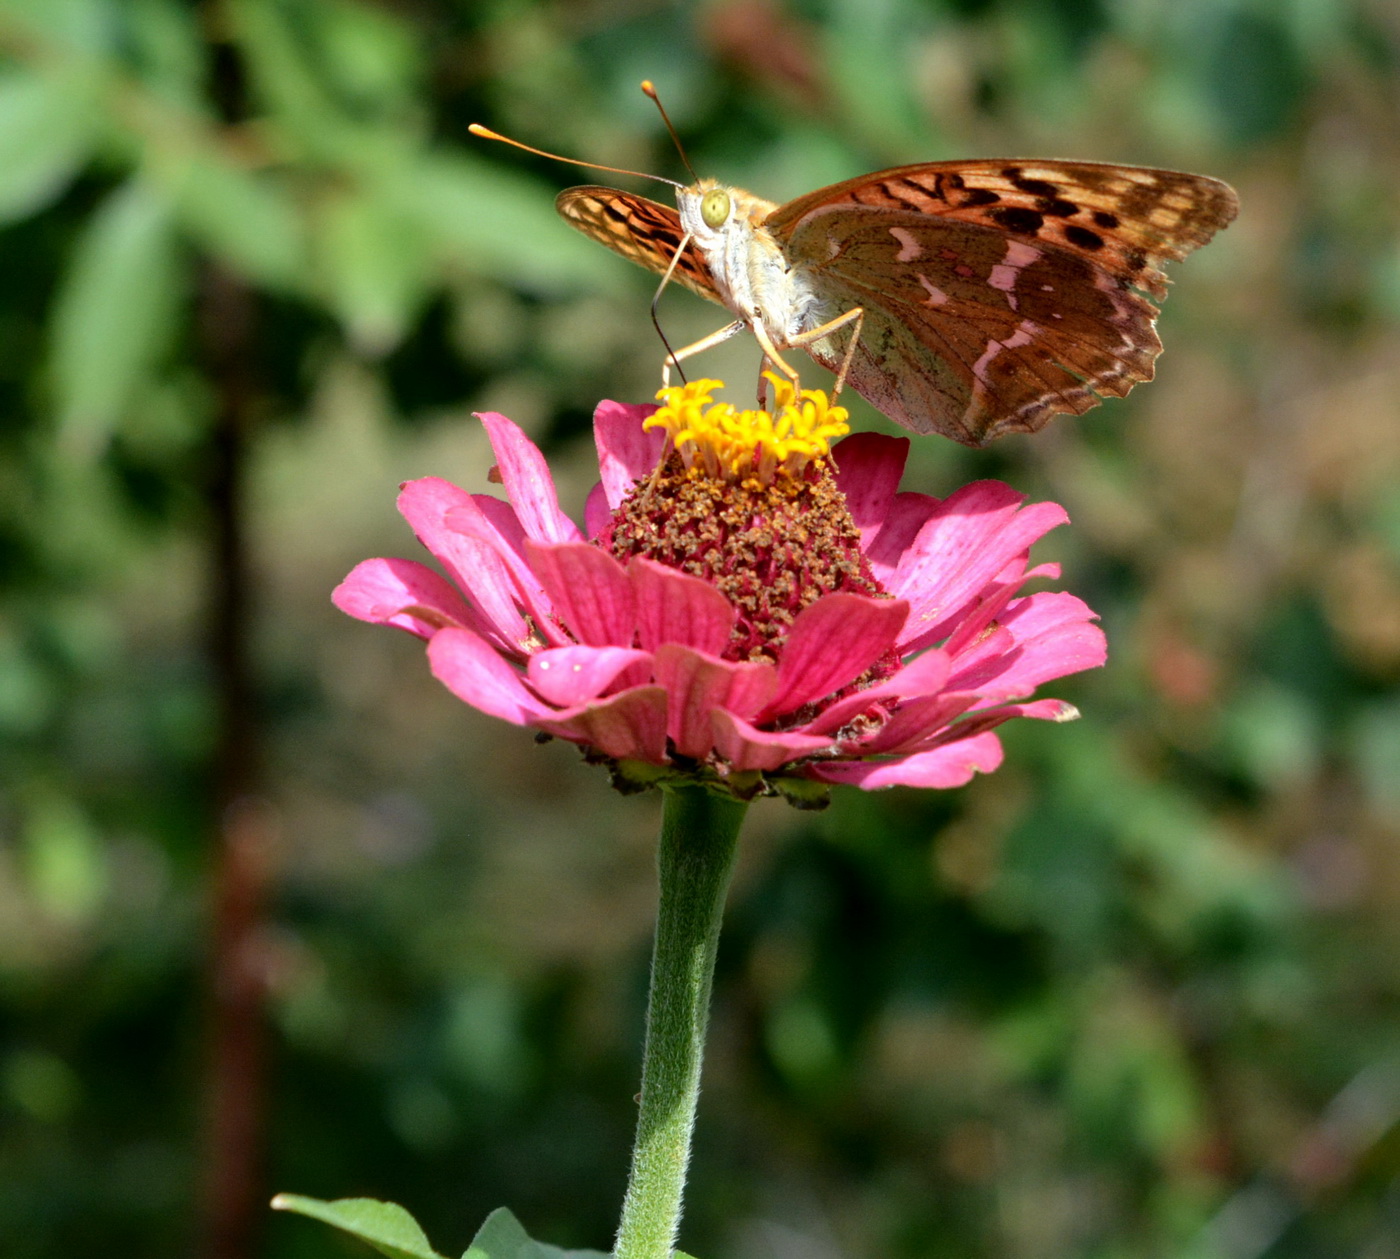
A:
[(756, 281)]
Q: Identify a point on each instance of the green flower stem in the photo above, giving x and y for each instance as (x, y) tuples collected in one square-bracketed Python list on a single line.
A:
[(699, 830)]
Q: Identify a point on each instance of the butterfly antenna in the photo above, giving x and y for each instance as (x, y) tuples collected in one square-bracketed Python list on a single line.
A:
[(487, 134), (650, 89)]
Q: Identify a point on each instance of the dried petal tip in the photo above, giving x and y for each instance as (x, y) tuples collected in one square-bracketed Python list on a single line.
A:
[(731, 445)]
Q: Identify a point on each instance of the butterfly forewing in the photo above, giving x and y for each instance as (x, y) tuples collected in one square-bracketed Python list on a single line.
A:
[(639, 229), (1125, 219)]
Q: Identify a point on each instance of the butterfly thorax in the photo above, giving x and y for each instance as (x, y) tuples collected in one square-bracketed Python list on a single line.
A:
[(750, 272)]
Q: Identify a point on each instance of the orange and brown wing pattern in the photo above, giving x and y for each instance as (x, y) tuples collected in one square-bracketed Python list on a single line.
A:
[(1127, 220), (999, 294), (639, 229)]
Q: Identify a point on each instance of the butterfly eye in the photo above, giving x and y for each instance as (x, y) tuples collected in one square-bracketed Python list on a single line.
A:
[(714, 207)]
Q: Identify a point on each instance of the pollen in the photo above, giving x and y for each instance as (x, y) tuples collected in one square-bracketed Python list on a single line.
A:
[(716, 440)]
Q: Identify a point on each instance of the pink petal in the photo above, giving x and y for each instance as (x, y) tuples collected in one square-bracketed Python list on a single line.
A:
[(972, 536), (913, 725), (405, 594), (674, 607), (951, 765), (472, 562), (868, 468), (528, 482), (697, 685), (628, 726), (596, 512), (494, 523), (626, 452), (832, 642), (924, 675), (589, 590), (746, 748), (907, 515), (567, 676), (476, 672), (1053, 635)]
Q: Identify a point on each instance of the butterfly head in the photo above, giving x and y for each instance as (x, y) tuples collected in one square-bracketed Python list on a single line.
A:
[(710, 211)]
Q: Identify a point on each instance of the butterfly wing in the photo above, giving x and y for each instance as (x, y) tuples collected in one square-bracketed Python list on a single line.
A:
[(997, 294), (639, 229)]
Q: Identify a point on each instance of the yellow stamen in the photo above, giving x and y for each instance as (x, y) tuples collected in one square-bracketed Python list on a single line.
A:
[(716, 440)]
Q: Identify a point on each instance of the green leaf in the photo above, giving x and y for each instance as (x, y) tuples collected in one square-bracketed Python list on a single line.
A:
[(503, 1237), (248, 221), (115, 311), (374, 267), (503, 224), (384, 1225), (47, 128)]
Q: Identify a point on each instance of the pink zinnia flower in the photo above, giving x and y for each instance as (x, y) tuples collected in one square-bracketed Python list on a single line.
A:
[(745, 605)]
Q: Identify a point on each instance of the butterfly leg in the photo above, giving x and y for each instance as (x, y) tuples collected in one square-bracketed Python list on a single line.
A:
[(856, 315), (705, 343)]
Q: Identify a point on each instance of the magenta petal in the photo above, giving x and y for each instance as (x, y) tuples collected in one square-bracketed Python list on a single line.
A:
[(746, 748), (907, 515), (868, 468), (917, 725), (698, 684), (589, 590), (402, 593), (476, 672), (832, 642), (951, 765), (596, 512), (626, 451), (528, 482), (923, 676), (474, 563), (972, 536), (674, 607), (567, 676), (1053, 636), (628, 726)]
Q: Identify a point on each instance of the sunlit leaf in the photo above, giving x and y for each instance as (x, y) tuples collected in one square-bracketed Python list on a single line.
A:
[(373, 268), (502, 223), (115, 310), (48, 123), (384, 1225), (247, 221), (502, 1236)]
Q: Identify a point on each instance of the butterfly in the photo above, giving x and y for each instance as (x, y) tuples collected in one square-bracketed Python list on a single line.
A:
[(968, 298)]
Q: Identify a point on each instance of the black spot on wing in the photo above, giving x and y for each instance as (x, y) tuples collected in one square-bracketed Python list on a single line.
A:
[(1082, 237), (1016, 218)]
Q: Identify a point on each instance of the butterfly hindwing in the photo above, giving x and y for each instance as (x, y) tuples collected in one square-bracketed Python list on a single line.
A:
[(974, 333)]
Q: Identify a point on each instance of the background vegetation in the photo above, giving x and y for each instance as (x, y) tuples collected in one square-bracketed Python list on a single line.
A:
[(264, 886)]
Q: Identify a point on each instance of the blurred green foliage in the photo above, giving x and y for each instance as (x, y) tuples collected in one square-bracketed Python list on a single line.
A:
[(1134, 995)]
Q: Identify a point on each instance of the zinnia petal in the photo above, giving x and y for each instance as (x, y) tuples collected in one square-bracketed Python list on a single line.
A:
[(589, 590), (698, 684), (402, 593), (626, 451), (527, 480), (673, 607), (568, 676), (951, 765), (476, 672), (831, 643), (628, 726)]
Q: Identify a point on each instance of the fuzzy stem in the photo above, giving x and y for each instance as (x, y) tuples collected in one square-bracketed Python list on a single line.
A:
[(699, 830)]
